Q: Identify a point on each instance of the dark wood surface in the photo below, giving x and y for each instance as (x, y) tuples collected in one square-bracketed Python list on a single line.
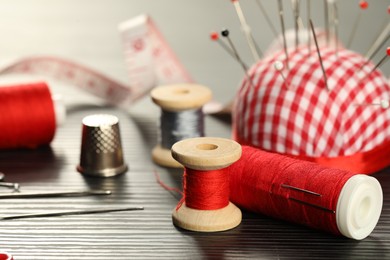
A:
[(147, 234)]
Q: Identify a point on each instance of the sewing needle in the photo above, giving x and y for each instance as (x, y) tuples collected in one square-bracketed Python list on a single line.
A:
[(54, 194), (67, 213)]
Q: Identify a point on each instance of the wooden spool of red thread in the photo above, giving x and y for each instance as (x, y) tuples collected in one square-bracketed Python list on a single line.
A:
[(200, 210), (28, 115), (332, 200), (302, 192)]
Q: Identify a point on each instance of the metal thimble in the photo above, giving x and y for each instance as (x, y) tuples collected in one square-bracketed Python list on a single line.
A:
[(101, 149)]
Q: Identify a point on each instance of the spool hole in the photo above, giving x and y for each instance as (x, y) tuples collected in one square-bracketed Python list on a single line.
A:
[(208, 147), (182, 91), (364, 208)]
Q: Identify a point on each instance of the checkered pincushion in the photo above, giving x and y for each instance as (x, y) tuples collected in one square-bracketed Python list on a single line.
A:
[(301, 117)]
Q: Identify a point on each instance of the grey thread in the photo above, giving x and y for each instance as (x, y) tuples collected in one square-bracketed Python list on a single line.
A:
[(177, 126)]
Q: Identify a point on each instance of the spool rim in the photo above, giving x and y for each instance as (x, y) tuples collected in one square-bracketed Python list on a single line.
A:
[(207, 220), (359, 206), (163, 157), (178, 97), (206, 153)]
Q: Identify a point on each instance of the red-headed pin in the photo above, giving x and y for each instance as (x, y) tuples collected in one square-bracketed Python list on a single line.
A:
[(215, 37), (382, 60), (363, 5)]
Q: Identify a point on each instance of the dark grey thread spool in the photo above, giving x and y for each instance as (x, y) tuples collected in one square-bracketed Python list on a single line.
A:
[(181, 117), (177, 126)]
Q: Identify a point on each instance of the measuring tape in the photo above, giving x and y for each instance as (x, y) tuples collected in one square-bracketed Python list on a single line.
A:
[(150, 62)]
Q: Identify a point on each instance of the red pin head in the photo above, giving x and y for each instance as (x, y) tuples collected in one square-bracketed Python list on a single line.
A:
[(214, 36), (388, 51), (388, 9), (363, 4)]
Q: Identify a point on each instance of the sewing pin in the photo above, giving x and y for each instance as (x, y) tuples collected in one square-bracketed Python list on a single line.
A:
[(335, 14), (385, 104), (308, 11), (247, 31), (301, 190), (381, 61), (55, 194), (363, 5), (319, 55), (215, 37), (67, 213), (312, 205), (267, 18), (378, 46), (278, 65), (326, 20), (295, 4), (280, 6), (225, 33)]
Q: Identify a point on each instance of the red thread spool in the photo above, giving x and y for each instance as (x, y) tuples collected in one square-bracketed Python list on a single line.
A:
[(27, 116), (205, 205), (333, 200), (5, 256)]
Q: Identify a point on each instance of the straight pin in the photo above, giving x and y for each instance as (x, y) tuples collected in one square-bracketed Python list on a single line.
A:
[(295, 4), (319, 55), (281, 16), (67, 213), (381, 61), (312, 205), (379, 42), (225, 33), (267, 18), (308, 11), (385, 104), (380, 45), (336, 26), (278, 65), (326, 20), (247, 31), (215, 37), (301, 190)]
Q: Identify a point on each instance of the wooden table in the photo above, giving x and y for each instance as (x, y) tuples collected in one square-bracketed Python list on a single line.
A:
[(147, 234)]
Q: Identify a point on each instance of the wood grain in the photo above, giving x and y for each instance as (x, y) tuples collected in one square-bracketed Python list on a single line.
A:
[(147, 234)]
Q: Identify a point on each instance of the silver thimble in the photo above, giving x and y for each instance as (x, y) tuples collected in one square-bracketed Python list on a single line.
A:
[(101, 149)]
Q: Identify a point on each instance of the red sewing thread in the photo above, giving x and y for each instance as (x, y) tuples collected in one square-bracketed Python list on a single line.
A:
[(205, 190), (259, 182), (27, 117)]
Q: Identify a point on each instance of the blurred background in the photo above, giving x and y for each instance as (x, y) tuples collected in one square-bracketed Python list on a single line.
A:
[(87, 32)]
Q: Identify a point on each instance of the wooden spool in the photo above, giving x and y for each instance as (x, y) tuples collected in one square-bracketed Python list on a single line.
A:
[(206, 153), (177, 98)]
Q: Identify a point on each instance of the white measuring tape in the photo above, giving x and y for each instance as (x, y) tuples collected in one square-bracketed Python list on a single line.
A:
[(150, 62)]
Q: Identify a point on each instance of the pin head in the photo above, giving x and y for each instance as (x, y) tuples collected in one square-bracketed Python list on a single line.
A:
[(278, 65), (363, 5), (388, 51), (385, 104), (225, 32), (214, 36)]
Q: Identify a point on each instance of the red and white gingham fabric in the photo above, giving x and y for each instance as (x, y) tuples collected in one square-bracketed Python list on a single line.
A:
[(301, 117)]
